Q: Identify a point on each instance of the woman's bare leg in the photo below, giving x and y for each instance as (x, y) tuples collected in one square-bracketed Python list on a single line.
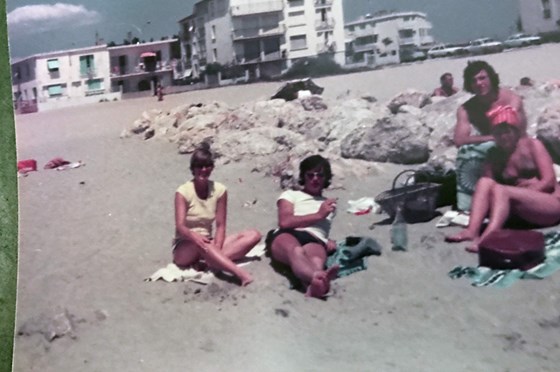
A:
[(482, 199), (286, 249), (535, 207), (185, 254), (236, 246)]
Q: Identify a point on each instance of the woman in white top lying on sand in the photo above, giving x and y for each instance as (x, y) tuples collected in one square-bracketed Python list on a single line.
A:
[(518, 182), (198, 204), (304, 220)]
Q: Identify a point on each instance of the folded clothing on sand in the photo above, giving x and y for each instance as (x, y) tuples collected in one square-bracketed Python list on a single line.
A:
[(350, 254), (483, 276), (172, 273)]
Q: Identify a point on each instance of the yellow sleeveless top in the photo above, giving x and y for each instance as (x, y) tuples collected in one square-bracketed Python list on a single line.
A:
[(201, 213)]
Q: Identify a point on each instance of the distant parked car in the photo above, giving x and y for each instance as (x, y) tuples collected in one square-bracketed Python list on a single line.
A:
[(412, 55), (485, 45), (521, 40), (445, 50)]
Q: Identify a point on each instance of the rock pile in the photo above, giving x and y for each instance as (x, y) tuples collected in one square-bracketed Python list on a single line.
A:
[(355, 133)]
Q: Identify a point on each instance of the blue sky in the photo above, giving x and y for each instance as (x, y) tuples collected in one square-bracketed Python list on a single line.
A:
[(48, 25)]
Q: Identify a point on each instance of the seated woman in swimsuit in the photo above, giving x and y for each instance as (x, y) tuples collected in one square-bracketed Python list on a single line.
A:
[(198, 204), (518, 181), (304, 220)]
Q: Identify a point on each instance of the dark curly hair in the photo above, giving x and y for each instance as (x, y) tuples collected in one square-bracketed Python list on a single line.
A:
[(202, 156), (312, 162), (473, 68)]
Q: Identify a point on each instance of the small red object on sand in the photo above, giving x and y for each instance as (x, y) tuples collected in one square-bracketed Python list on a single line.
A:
[(28, 165), (55, 163)]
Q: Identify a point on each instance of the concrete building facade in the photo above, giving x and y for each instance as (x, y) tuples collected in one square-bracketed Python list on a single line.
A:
[(539, 15), (140, 67), (61, 78), (262, 37), (381, 38)]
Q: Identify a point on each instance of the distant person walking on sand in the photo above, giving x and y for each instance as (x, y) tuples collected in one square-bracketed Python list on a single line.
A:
[(304, 221), (159, 92), (198, 204), (518, 181), (446, 88), (473, 130)]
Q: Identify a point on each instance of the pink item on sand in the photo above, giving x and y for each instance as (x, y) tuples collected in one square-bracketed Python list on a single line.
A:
[(29, 165)]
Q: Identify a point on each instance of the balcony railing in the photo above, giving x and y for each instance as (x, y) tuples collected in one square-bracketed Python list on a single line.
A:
[(326, 47), (89, 73), (363, 47), (263, 57), (139, 69), (327, 24), (255, 7), (253, 33), (323, 3)]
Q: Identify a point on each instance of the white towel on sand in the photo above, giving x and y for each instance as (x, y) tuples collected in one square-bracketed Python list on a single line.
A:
[(172, 273)]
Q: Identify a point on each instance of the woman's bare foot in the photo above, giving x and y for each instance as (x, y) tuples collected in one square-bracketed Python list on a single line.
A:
[(332, 272), (463, 235), (473, 248), (319, 285), (246, 279)]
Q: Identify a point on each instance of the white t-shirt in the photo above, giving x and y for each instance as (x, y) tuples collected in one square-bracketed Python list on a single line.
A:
[(305, 204)]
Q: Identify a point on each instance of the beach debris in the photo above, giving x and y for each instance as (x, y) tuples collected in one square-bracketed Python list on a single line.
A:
[(58, 324), (72, 165), (313, 103), (282, 312), (250, 203), (365, 205), (26, 166), (289, 91)]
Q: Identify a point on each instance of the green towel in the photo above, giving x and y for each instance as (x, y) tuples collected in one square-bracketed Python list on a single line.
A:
[(350, 254), (484, 276), (469, 165)]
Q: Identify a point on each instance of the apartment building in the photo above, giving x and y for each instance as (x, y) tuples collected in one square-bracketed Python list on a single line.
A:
[(539, 15), (62, 78), (263, 37), (381, 38), (140, 67)]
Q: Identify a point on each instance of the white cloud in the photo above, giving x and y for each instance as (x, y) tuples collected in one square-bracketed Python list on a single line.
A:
[(44, 17)]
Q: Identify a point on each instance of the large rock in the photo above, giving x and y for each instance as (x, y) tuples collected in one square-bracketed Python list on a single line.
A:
[(409, 97), (402, 139)]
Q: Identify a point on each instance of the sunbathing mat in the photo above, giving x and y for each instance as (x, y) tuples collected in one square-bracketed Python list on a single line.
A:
[(172, 273), (484, 277)]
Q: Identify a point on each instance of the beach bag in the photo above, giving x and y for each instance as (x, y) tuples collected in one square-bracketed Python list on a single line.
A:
[(512, 249), (417, 200), (447, 194)]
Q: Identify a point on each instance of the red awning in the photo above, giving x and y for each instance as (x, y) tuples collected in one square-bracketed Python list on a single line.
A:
[(147, 54)]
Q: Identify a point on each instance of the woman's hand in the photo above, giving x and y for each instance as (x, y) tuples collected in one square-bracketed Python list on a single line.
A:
[(331, 246), (327, 207), (531, 183), (200, 240)]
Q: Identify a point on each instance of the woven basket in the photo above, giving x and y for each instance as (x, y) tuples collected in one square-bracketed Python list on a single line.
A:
[(417, 201)]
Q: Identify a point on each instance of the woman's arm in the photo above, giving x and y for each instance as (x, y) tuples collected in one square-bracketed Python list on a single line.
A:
[(287, 219), (221, 218), (181, 208), (547, 179)]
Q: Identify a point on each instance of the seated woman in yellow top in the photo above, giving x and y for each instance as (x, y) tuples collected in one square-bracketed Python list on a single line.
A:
[(198, 204)]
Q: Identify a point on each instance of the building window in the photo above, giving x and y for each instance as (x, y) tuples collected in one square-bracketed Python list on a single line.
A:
[(299, 13), (52, 65), (294, 3), (351, 28), (298, 42), (94, 84), (87, 66), (546, 9), (405, 34), (215, 54), (213, 33), (362, 26), (54, 90)]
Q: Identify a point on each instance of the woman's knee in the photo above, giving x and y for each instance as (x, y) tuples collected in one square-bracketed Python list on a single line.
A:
[(485, 183), (253, 235)]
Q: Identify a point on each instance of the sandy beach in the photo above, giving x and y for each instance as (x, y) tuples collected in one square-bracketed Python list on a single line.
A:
[(89, 236)]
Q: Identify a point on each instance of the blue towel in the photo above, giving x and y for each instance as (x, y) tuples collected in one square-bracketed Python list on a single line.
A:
[(350, 254), (484, 276)]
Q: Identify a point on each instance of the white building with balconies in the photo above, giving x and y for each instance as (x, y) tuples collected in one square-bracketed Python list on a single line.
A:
[(263, 37), (62, 78), (140, 67), (381, 38), (539, 15)]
